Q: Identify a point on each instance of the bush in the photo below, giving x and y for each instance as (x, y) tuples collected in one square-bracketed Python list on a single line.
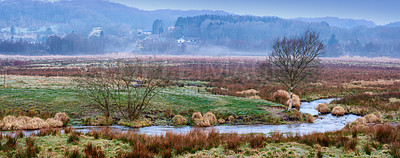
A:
[(54, 123), (210, 117), (221, 121), (295, 102), (196, 115), (281, 96), (231, 118), (202, 122), (338, 111), (294, 114), (323, 108), (62, 117), (179, 120), (371, 118), (309, 118)]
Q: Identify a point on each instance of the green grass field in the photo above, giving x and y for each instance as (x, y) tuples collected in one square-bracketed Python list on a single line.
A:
[(59, 94)]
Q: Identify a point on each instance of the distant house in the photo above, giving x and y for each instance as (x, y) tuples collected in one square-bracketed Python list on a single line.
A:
[(181, 40), (141, 32), (97, 32), (171, 29)]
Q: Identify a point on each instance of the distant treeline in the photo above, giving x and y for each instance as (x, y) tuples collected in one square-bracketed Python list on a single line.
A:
[(258, 33), (71, 44)]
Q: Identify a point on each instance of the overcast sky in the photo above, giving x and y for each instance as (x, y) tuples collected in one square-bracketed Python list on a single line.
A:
[(379, 11)]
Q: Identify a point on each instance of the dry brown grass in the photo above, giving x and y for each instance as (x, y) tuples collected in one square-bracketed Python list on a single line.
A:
[(210, 117), (202, 122), (323, 108), (359, 122), (199, 120), (295, 102), (62, 117), (221, 121), (231, 118), (197, 115), (179, 120), (338, 111), (281, 96), (22, 123), (54, 123), (371, 118), (309, 118)]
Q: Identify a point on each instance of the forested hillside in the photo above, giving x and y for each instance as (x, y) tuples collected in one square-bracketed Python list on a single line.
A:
[(257, 33)]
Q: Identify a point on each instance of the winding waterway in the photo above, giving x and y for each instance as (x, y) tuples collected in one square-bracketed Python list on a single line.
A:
[(323, 123)]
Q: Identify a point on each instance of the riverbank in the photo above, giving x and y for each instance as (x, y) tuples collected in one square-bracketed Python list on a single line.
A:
[(374, 141)]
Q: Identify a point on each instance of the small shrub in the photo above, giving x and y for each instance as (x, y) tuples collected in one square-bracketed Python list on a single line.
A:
[(338, 111), (371, 118), (281, 96), (221, 121), (294, 114), (295, 102), (210, 117), (62, 117), (309, 118), (196, 115), (179, 120), (202, 122), (231, 118), (54, 123), (323, 108)]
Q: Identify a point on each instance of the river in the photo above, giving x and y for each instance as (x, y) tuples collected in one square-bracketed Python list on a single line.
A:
[(323, 123)]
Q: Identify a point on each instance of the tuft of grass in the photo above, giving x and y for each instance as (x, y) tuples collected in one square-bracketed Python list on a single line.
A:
[(367, 148), (257, 141), (395, 149), (74, 137), (31, 148), (92, 151)]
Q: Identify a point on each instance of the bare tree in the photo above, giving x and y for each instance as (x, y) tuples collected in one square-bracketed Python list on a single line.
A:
[(97, 86), (295, 60), (125, 87)]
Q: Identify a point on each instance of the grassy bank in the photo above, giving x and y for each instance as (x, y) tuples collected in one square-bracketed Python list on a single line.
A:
[(367, 141), (59, 94)]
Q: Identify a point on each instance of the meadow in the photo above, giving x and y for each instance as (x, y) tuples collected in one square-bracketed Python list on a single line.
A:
[(233, 89), (217, 84)]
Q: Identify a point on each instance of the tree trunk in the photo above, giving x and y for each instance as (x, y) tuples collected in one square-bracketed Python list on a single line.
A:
[(290, 98)]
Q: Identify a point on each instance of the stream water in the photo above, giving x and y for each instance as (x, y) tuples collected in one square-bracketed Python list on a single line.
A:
[(323, 123)]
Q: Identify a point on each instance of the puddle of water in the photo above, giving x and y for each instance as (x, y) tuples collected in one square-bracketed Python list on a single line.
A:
[(324, 123)]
